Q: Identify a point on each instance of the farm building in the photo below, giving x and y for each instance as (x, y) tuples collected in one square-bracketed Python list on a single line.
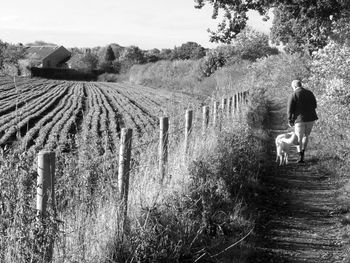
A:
[(48, 56)]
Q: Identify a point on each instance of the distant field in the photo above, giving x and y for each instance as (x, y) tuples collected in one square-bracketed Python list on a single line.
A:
[(40, 114)]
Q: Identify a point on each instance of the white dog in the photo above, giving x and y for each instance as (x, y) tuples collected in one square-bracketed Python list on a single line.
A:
[(283, 144)]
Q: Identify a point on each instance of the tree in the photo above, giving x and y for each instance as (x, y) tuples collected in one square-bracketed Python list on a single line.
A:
[(165, 54), (86, 62), (251, 45), (107, 62), (109, 54), (10, 55), (152, 55), (212, 61), (2, 53), (189, 50), (299, 24), (130, 56)]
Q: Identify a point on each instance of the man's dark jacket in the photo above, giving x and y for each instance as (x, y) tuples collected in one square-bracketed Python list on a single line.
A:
[(301, 106)]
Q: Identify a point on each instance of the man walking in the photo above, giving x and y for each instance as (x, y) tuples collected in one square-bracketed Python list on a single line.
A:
[(302, 115)]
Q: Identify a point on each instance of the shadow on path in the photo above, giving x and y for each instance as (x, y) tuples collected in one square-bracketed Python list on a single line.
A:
[(297, 223)]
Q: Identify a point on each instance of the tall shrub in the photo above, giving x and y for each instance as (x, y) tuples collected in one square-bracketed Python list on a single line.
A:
[(331, 80)]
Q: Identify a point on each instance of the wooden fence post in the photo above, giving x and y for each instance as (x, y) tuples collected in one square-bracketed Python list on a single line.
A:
[(205, 118), (229, 106), (45, 181), (215, 113), (124, 168), (163, 145), (188, 127), (246, 97), (53, 170), (234, 106), (223, 105), (239, 103), (222, 112)]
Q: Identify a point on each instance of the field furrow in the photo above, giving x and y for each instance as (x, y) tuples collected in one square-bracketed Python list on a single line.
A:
[(114, 123), (61, 127), (38, 111), (37, 129), (38, 114)]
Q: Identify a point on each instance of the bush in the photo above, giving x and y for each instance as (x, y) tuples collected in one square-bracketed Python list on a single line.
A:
[(331, 81), (180, 75), (108, 77), (252, 45), (110, 66), (84, 62), (276, 73), (214, 60), (60, 73), (189, 50)]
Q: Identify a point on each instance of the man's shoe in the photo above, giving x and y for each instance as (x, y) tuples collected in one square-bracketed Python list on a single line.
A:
[(301, 157)]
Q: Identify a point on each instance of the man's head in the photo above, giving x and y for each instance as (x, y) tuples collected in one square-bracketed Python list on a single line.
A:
[(296, 84)]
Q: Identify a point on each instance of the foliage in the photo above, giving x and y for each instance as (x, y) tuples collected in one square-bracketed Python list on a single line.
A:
[(22, 235), (301, 24), (109, 57), (276, 73), (108, 77), (251, 45), (248, 45), (341, 29), (330, 79), (189, 50), (130, 56), (110, 66), (86, 62), (101, 52), (273, 75), (330, 63), (152, 55), (165, 54), (179, 75), (10, 56), (214, 60)]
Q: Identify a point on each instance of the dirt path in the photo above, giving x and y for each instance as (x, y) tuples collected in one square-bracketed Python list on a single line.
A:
[(298, 218)]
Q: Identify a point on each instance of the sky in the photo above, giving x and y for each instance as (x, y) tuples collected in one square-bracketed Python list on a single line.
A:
[(88, 23)]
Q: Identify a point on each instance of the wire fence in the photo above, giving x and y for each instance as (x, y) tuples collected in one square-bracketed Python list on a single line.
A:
[(175, 118), (179, 129)]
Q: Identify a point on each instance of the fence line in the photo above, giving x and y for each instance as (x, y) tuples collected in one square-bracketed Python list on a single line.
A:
[(228, 108), (124, 170), (163, 145)]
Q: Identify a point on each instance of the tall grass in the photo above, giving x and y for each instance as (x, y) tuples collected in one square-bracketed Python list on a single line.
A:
[(180, 75), (201, 204)]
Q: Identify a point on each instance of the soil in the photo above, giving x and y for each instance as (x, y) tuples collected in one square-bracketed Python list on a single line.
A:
[(300, 215)]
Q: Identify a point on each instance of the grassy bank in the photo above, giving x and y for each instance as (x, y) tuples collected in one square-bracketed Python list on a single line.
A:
[(201, 205), (181, 75)]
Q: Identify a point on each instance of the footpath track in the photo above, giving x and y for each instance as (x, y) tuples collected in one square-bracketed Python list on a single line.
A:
[(299, 212)]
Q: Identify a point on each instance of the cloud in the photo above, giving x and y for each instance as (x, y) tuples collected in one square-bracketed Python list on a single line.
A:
[(9, 18)]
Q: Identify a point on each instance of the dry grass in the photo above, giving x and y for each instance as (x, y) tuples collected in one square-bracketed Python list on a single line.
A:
[(202, 199)]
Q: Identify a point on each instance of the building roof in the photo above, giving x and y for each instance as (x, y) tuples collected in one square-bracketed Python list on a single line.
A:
[(41, 51)]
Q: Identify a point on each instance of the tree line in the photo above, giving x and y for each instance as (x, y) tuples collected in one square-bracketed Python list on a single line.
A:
[(116, 59)]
